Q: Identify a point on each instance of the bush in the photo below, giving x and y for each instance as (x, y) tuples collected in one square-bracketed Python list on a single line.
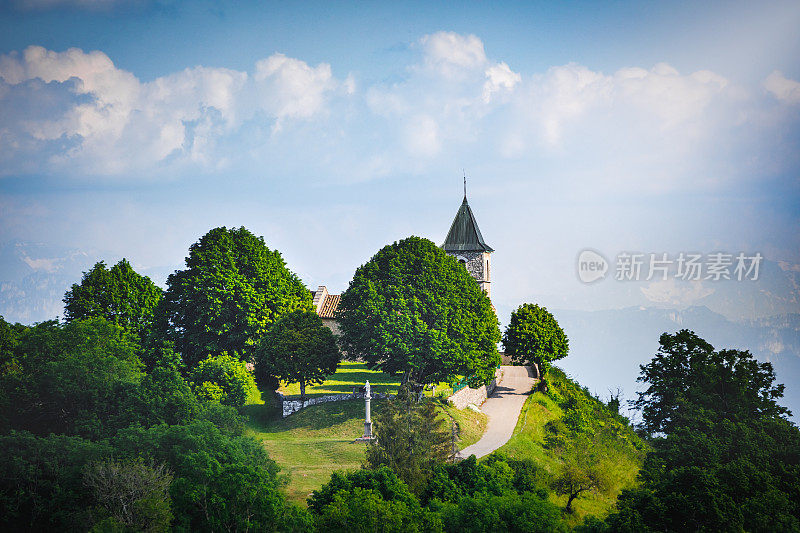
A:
[(222, 378)]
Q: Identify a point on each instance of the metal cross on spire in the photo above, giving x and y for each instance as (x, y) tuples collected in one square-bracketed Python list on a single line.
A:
[(465, 183)]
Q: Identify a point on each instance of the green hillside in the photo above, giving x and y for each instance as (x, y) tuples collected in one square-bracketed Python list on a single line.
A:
[(553, 428), (318, 440), (568, 424)]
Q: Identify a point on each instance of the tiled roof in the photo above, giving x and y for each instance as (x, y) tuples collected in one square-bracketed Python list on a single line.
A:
[(329, 306)]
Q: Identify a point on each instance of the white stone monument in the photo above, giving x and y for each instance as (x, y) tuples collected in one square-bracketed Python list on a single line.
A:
[(368, 418)]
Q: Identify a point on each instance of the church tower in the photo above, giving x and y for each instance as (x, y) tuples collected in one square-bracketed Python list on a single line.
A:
[(465, 242)]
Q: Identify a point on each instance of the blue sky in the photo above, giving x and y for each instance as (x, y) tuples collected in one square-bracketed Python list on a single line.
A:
[(131, 128)]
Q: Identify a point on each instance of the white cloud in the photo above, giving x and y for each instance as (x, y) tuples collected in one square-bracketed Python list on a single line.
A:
[(664, 92), (446, 95), (499, 77), (449, 53), (75, 112), (421, 136), (107, 121), (289, 87), (563, 94), (782, 88)]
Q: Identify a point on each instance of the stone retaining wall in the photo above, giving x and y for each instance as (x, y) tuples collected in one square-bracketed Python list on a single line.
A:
[(468, 395), (291, 406)]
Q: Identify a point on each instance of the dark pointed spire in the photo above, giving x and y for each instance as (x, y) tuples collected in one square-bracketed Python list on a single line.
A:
[(464, 234)]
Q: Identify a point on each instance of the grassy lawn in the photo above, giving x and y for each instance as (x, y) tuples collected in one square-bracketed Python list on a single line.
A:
[(318, 440), (352, 374)]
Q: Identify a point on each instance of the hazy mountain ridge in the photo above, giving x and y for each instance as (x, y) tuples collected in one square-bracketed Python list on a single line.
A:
[(35, 276)]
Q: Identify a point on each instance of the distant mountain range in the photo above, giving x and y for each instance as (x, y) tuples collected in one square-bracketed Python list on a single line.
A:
[(35, 276)]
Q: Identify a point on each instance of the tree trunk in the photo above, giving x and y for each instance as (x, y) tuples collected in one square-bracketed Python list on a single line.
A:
[(302, 392), (568, 509)]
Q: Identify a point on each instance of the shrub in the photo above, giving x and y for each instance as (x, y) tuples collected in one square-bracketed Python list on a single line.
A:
[(228, 374)]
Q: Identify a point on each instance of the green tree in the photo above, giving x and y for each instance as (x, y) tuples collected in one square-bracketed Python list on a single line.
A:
[(415, 311), (118, 294), (411, 439), (297, 349), (41, 486), (368, 501), (534, 337), (9, 366), (232, 290), (80, 378), (167, 397), (364, 511), (725, 457), (687, 372), (225, 375), (483, 512), (133, 494), (222, 482), (85, 378), (574, 480)]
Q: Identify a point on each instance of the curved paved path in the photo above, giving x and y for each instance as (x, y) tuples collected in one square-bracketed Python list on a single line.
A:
[(502, 408)]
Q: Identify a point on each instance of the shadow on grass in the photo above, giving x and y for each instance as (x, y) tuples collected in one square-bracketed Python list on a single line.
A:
[(313, 418), (349, 376)]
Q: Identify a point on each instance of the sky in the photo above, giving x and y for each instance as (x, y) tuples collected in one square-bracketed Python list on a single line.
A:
[(131, 128)]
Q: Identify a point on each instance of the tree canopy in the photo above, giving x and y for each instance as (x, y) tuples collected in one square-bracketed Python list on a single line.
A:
[(298, 348), (534, 337), (232, 290), (118, 294), (225, 375), (415, 311), (90, 440), (688, 374), (80, 378), (725, 458)]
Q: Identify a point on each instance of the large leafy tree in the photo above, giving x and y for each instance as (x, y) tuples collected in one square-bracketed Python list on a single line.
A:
[(534, 337), (725, 457), (297, 349), (687, 373), (415, 311), (370, 500), (85, 378), (232, 290), (41, 488), (118, 294)]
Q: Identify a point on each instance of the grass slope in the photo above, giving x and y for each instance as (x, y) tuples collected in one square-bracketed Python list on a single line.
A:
[(568, 413)]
